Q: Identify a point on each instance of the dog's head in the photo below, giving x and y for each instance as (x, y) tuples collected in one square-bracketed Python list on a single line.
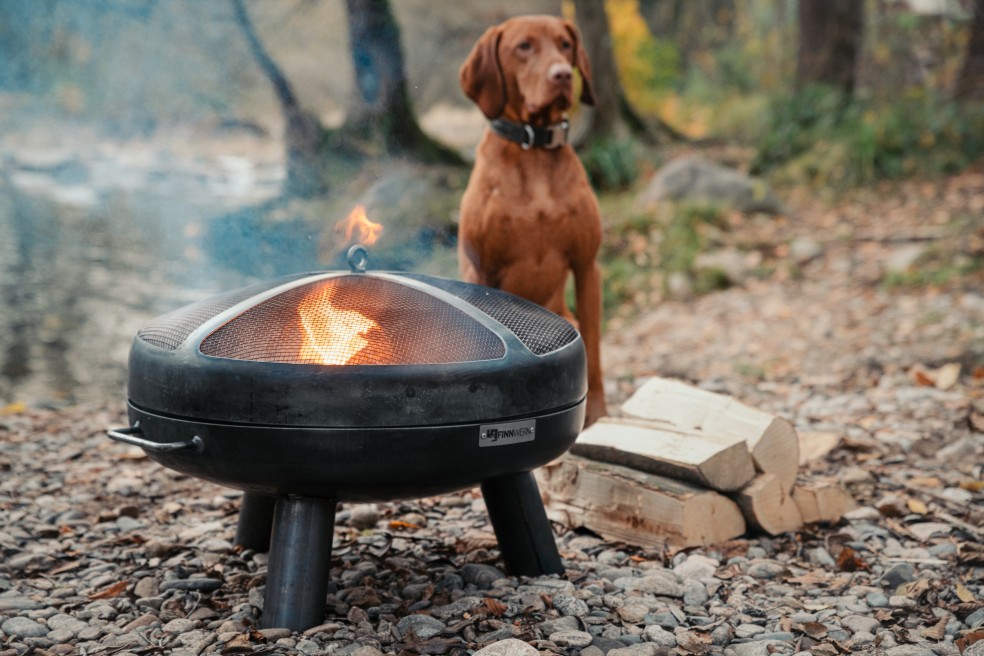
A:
[(522, 70)]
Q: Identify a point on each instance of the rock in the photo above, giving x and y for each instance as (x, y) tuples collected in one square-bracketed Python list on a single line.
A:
[(422, 626), (198, 585), (975, 619), (898, 574), (696, 566), (909, 650), (744, 631), (22, 627), (661, 585), (570, 606), (363, 517), (695, 179), (571, 639), (640, 649), (455, 609), (510, 647), (660, 636), (17, 603), (976, 649), (860, 623), (765, 569), (633, 613), (146, 588), (481, 576)]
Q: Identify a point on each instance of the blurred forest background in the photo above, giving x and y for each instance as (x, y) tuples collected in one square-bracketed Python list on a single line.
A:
[(153, 151)]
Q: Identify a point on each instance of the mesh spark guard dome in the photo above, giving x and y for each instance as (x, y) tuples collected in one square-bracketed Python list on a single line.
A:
[(342, 349)]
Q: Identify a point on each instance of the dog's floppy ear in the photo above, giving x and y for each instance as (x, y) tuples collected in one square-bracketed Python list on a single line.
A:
[(582, 63), (481, 75)]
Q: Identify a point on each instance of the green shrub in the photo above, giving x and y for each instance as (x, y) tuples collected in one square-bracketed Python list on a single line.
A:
[(611, 164), (822, 136)]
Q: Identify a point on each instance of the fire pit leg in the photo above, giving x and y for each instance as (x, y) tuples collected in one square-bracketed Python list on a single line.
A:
[(300, 558), (521, 526), (255, 521)]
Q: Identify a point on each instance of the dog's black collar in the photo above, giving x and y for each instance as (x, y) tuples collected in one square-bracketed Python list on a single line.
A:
[(529, 136)]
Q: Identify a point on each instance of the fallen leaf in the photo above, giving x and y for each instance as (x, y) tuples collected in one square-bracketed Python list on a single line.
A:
[(922, 377), (815, 630), (947, 376), (926, 481), (810, 578), (963, 594), (849, 561), (114, 590), (976, 421), (495, 607), (917, 506), (937, 631), (397, 524), (239, 644), (15, 408), (67, 567), (969, 639), (914, 589), (972, 486)]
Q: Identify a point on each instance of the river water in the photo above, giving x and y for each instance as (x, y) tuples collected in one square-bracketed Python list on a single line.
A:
[(98, 236)]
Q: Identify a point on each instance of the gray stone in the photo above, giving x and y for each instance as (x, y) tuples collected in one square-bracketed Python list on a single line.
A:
[(633, 613), (860, 623), (696, 179), (146, 588), (65, 622), (423, 626), (570, 638), (481, 576), (510, 647), (639, 649), (696, 566), (765, 569), (694, 593), (22, 627), (876, 599), (363, 517), (975, 619), (976, 649), (757, 648), (654, 584), (198, 585), (744, 631), (17, 603), (570, 606), (455, 608), (60, 636), (898, 574), (560, 624), (660, 636), (180, 625), (909, 650)]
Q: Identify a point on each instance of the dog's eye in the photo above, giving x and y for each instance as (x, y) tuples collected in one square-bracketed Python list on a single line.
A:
[(524, 46), (565, 45)]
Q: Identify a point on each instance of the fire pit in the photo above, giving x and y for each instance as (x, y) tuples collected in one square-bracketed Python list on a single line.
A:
[(358, 386)]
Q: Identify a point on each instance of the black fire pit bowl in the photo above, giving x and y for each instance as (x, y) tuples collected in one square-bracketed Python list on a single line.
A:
[(328, 387)]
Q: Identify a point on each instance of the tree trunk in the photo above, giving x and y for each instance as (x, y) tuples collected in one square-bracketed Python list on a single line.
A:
[(970, 82), (381, 113), (829, 41), (303, 131), (593, 22)]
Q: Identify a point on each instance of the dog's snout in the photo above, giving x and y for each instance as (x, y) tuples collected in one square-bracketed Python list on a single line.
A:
[(560, 72)]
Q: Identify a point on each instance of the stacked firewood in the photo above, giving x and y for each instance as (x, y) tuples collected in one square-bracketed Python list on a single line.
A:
[(687, 467)]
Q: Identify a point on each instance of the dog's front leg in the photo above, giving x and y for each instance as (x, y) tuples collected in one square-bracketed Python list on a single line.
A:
[(587, 286)]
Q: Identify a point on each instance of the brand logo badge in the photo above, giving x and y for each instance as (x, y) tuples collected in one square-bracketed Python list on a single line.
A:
[(511, 433)]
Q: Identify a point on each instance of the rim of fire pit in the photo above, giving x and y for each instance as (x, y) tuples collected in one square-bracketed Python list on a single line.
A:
[(530, 361)]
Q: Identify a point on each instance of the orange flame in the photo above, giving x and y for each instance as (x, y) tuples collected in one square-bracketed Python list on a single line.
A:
[(331, 335), (357, 220)]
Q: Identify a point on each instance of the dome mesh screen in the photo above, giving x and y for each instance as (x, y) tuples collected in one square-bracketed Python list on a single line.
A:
[(354, 319), (168, 331), (540, 330)]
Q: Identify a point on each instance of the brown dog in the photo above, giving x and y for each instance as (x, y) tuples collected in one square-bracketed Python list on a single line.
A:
[(528, 216)]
